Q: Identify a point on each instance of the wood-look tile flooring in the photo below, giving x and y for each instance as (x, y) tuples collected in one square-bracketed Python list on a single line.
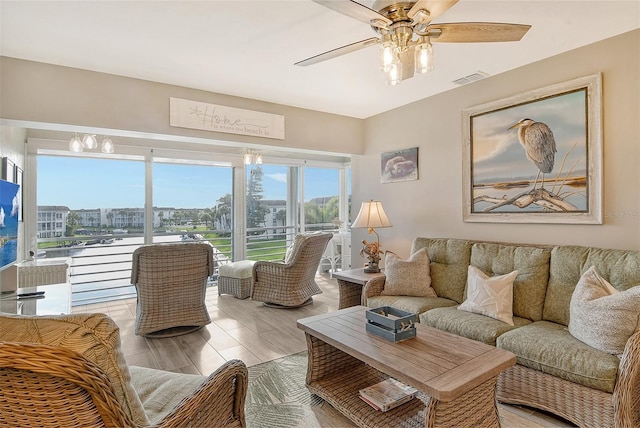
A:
[(248, 331)]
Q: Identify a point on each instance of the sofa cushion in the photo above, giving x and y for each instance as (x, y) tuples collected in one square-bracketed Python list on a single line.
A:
[(532, 264), (415, 305), (602, 316), (620, 268), (490, 296), (470, 325), (160, 391), (409, 277), (550, 348), (94, 336), (449, 262)]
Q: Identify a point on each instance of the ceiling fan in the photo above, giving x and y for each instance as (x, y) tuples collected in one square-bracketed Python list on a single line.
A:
[(405, 33)]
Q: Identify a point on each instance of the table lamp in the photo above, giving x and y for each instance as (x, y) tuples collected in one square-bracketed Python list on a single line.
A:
[(371, 215)]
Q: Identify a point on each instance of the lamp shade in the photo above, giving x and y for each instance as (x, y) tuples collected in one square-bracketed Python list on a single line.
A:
[(371, 215)]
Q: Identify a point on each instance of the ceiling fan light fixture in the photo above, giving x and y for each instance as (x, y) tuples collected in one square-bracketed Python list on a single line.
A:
[(394, 75), (387, 53), (424, 56), (403, 35)]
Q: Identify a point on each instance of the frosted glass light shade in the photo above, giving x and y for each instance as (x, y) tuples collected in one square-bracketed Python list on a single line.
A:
[(89, 142), (107, 146), (75, 145)]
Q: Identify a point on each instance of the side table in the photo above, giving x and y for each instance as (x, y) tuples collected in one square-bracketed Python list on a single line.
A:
[(350, 283), (55, 301)]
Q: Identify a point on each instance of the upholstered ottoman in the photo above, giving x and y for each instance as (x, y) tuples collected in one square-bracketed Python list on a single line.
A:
[(236, 278)]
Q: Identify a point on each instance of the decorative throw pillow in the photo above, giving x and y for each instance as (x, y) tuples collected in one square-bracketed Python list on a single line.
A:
[(490, 296), (294, 247), (411, 277), (601, 316)]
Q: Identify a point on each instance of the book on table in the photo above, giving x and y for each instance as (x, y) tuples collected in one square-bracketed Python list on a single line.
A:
[(387, 394)]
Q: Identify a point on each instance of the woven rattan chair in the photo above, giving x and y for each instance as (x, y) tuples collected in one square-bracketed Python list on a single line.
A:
[(291, 284), (171, 282), (50, 386)]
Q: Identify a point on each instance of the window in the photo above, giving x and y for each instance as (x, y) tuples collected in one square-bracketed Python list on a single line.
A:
[(91, 210)]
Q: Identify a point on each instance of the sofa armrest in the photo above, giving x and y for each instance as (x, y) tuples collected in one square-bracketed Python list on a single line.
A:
[(219, 401), (627, 389), (372, 288)]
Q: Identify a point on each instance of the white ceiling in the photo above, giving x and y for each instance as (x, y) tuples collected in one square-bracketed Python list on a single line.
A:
[(248, 48)]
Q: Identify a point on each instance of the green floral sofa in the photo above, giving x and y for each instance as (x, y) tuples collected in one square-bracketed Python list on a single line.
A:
[(555, 371)]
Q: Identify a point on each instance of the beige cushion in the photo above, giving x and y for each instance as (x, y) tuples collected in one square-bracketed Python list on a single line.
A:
[(241, 269), (550, 348), (490, 296), (410, 277), (160, 391), (601, 316), (94, 336)]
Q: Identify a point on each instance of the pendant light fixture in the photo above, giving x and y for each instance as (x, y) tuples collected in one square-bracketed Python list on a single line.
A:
[(90, 142)]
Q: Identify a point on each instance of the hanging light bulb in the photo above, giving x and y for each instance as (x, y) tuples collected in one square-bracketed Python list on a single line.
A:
[(386, 53), (247, 158), (424, 55), (394, 75), (89, 141), (75, 145), (258, 159), (107, 146)]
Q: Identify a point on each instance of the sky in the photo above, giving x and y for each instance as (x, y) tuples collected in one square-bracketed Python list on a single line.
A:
[(82, 183)]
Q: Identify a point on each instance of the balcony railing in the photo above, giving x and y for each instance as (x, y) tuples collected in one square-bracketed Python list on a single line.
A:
[(101, 264)]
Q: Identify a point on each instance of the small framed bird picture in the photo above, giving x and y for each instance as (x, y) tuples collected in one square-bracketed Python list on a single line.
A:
[(535, 157)]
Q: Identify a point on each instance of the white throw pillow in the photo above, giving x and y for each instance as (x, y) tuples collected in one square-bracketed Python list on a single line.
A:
[(490, 296), (292, 250), (411, 277), (601, 316)]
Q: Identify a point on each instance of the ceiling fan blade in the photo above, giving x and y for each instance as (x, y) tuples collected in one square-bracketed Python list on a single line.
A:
[(434, 7), (339, 51), (357, 11), (477, 32)]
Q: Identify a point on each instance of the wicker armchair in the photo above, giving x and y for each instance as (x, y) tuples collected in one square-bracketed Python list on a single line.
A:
[(292, 283), (50, 386), (171, 282)]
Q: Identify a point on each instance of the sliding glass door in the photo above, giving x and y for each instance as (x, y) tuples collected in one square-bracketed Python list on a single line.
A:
[(91, 211)]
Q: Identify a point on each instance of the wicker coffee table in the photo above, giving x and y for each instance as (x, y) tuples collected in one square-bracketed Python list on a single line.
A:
[(456, 376)]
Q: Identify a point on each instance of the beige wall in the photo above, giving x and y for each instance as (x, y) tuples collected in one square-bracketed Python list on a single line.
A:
[(432, 205), (38, 92)]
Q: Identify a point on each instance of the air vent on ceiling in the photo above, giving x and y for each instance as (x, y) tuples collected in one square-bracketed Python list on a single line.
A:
[(478, 75)]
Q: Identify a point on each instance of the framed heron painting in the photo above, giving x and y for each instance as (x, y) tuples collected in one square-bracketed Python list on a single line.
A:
[(535, 157)]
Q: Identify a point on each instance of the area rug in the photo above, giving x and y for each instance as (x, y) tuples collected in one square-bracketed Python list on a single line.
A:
[(278, 398)]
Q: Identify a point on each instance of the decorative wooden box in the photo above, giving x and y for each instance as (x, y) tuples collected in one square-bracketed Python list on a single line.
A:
[(392, 324)]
